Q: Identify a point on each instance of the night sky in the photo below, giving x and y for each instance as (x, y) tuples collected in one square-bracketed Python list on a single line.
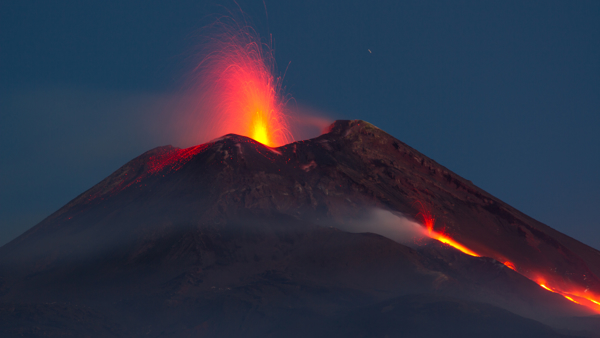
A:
[(504, 93)]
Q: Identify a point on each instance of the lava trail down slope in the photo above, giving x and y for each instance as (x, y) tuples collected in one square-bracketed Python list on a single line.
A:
[(234, 238)]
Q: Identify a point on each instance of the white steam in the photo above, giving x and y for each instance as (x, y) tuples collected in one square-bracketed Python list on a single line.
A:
[(387, 224)]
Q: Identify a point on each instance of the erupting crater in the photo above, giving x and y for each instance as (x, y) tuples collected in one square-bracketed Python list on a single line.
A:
[(237, 82), (234, 229)]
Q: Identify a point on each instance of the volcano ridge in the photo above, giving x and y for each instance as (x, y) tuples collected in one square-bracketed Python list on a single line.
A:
[(193, 203)]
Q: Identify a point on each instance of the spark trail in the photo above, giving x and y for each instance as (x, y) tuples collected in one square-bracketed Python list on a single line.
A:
[(237, 82)]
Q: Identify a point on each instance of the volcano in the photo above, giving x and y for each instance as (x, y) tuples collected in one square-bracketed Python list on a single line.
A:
[(236, 239)]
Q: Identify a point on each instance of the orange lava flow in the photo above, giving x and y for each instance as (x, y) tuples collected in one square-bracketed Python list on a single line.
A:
[(578, 297), (429, 222), (510, 265), (238, 86), (447, 240), (581, 298)]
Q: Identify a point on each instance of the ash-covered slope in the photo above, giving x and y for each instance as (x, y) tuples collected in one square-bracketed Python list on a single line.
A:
[(231, 237)]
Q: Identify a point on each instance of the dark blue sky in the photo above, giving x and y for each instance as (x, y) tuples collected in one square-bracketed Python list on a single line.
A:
[(504, 93)]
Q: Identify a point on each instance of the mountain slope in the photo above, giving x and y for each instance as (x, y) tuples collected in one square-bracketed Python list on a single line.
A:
[(232, 229)]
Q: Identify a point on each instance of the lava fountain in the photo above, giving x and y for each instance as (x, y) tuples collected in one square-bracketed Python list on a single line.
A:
[(236, 81)]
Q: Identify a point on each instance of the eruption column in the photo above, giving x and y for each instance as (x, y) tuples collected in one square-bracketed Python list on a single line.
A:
[(236, 83)]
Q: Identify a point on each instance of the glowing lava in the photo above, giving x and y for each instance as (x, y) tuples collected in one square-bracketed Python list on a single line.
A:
[(429, 222), (582, 298), (510, 265), (236, 83), (579, 297)]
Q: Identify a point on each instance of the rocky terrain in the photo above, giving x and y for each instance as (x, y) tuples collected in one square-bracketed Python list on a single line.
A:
[(235, 239)]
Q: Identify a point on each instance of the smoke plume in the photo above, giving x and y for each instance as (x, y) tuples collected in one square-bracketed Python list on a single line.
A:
[(387, 224)]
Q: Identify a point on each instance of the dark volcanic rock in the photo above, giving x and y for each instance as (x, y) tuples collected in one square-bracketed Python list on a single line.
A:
[(232, 238), (54, 320), (437, 316)]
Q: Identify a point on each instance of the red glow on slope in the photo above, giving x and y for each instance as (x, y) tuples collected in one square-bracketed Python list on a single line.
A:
[(172, 160), (157, 162), (578, 297), (237, 81), (164, 163)]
